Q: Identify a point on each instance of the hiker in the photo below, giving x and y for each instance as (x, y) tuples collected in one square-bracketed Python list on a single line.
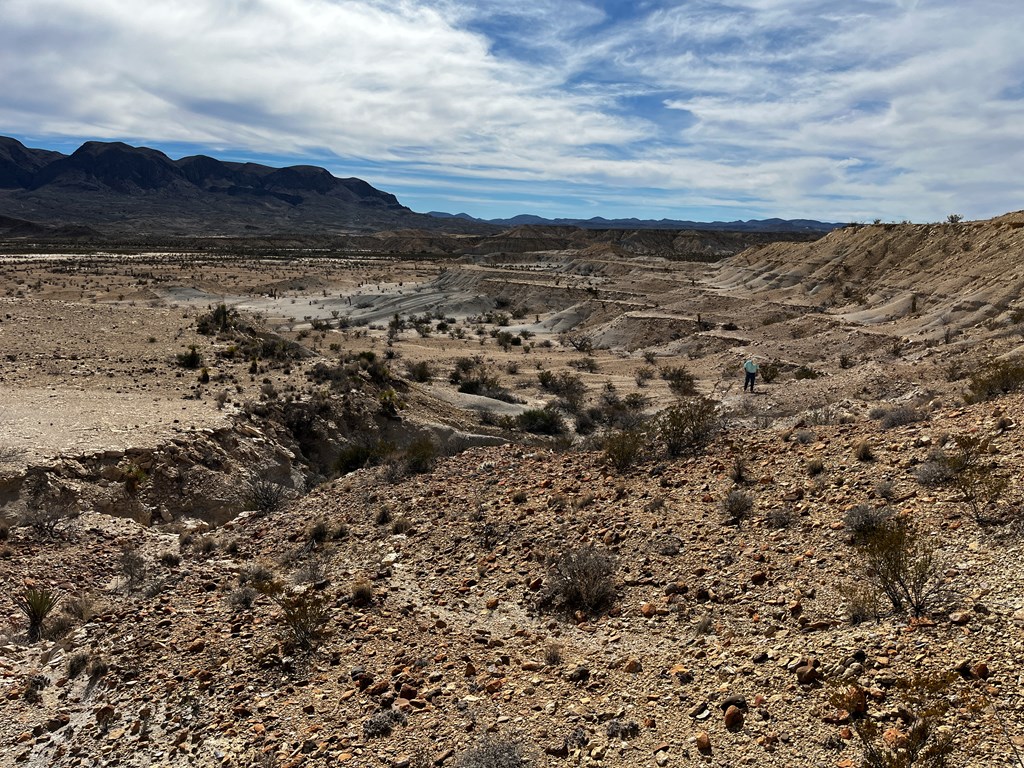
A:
[(750, 369)]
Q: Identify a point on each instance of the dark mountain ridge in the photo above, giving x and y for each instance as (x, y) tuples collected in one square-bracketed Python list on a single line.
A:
[(116, 188), (599, 222)]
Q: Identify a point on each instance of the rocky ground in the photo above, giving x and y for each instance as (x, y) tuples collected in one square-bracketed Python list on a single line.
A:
[(403, 615)]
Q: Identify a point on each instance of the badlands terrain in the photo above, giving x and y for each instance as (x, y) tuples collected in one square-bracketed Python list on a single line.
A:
[(401, 501)]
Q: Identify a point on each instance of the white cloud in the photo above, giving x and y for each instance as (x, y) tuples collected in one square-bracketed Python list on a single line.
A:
[(811, 108)]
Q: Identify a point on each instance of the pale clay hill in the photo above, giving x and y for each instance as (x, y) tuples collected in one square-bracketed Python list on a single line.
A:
[(729, 641)]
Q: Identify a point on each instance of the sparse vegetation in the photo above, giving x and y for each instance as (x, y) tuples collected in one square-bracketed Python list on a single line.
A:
[(36, 605), (495, 752), (903, 565), (624, 448), (689, 428), (581, 579)]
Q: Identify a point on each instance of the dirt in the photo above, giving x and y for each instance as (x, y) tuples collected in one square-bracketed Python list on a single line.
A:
[(161, 459)]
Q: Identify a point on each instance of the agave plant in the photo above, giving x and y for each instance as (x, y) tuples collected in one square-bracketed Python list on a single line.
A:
[(36, 604)]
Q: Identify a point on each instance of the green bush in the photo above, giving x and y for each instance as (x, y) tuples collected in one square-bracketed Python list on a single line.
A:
[(690, 427), (421, 455), (541, 421), (806, 372), (624, 448), (191, 359), (680, 381)]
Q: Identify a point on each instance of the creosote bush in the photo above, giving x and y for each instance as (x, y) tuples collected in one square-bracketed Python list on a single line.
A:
[(624, 448), (690, 427), (904, 566), (541, 421), (581, 579), (863, 520)]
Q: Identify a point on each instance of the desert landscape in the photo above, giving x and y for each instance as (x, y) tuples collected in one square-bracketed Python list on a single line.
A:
[(416, 498)]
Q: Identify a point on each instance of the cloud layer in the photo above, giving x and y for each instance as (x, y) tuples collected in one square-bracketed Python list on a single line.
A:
[(882, 108)]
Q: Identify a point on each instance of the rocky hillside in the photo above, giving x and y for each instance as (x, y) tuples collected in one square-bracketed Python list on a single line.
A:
[(421, 618)]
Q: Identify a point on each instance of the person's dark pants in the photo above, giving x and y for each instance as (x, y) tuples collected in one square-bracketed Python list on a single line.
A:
[(748, 382)]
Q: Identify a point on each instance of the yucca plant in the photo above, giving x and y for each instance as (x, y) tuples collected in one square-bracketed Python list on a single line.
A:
[(36, 604)]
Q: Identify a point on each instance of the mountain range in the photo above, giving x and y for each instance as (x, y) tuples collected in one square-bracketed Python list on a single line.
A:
[(115, 189)]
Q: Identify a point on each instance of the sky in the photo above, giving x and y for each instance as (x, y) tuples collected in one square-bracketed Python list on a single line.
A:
[(838, 111)]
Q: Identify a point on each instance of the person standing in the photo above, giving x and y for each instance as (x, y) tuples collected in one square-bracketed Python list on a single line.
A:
[(750, 374)]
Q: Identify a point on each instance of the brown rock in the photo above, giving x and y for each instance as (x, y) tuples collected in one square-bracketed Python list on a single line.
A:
[(704, 743), (633, 666), (733, 717)]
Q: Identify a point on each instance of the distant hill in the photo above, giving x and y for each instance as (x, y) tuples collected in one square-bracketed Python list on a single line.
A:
[(116, 188), (598, 222)]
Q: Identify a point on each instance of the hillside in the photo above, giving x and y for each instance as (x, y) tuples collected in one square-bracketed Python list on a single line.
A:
[(322, 510)]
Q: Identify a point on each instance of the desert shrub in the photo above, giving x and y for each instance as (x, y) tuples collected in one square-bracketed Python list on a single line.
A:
[(552, 654), (361, 592), (624, 448), (864, 451), (472, 376), (804, 436), (863, 520), (974, 475), (921, 741), (588, 364), (642, 375), (581, 579), (58, 627), (737, 506), (98, 667), (680, 381), (862, 601), (36, 604), (769, 371), (903, 566), (997, 378), (934, 472), (169, 559), (779, 517), (621, 729), (81, 608), (383, 515), (738, 470), (205, 545), (495, 753), (420, 455), (815, 466), (77, 662), (190, 359), (541, 421), (133, 568), (319, 532), (363, 452), (885, 489), (401, 525), (421, 371), (383, 723), (305, 613), (241, 599), (257, 574), (690, 427), (264, 495), (568, 386), (805, 372), (898, 416)]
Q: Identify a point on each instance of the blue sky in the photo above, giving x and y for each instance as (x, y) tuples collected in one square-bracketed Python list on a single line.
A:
[(839, 111)]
